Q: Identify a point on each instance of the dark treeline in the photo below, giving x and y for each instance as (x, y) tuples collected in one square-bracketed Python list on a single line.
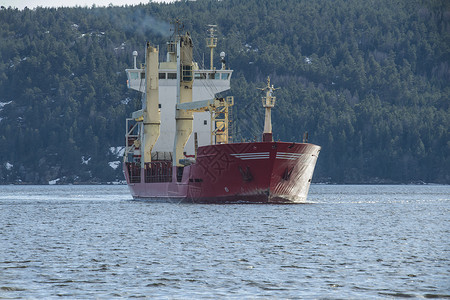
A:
[(369, 81)]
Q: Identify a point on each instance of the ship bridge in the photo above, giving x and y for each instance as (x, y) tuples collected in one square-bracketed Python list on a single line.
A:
[(206, 82)]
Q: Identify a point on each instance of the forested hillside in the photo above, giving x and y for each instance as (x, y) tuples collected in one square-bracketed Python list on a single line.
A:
[(369, 81)]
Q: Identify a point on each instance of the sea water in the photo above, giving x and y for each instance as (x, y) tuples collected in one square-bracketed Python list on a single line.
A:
[(357, 242)]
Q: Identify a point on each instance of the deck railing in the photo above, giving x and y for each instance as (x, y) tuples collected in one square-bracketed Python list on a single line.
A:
[(158, 171)]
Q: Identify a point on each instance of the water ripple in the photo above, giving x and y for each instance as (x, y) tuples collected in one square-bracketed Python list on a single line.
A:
[(354, 242)]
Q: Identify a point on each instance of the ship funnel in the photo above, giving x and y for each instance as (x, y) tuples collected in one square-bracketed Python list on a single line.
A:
[(135, 54), (222, 60)]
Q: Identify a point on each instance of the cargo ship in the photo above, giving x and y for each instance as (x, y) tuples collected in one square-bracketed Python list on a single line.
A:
[(178, 146)]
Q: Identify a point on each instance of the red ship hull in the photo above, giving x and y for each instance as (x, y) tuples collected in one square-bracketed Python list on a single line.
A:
[(259, 172)]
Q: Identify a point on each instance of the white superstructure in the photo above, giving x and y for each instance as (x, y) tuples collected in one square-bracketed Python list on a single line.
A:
[(206, 84)]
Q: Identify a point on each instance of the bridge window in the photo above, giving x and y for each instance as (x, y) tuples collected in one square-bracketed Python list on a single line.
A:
[(134, 75), (200, 75), (171, 75), (162, 75), (225, 76)]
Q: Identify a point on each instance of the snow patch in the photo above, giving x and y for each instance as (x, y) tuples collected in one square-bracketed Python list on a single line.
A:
[(117, 151), (126, 100), (51, 182), (8, 166), (114, 164), (121, 47), (117, 182), (85, 160), (2, 104)]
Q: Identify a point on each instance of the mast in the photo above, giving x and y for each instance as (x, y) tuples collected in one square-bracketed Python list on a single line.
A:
[(211, 42), (185, 78), (151, 114), (268, 102)]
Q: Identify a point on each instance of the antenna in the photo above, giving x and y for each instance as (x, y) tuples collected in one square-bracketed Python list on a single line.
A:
[(178, 27)]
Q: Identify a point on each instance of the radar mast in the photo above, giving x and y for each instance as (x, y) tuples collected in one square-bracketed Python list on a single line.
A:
[(211, 42)]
